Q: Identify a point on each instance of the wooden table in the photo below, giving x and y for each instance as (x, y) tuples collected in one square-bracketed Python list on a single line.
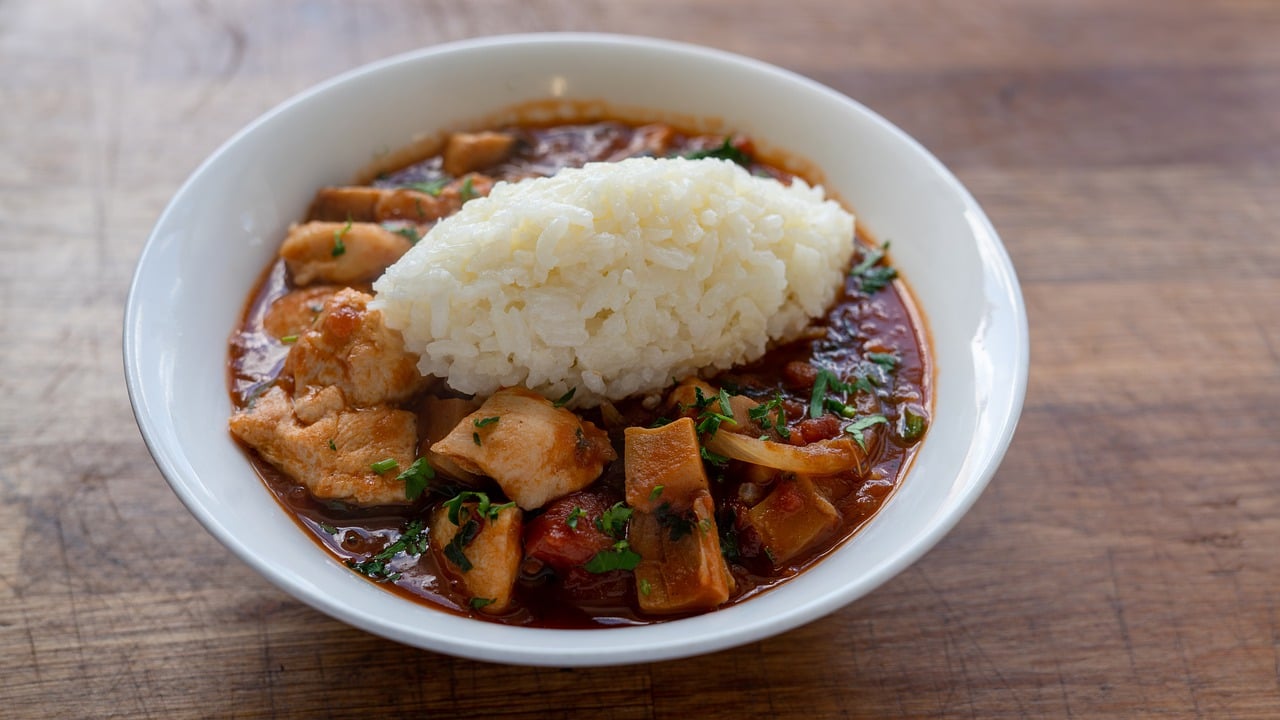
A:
[(1125, 561)]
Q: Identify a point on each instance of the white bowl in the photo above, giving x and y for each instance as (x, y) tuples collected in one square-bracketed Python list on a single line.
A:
[(226, 221)]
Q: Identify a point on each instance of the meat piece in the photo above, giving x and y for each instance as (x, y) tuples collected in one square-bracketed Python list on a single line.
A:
[(663, 465), (340, 204), (793, 518), (342, 253), (534, 450), (350, 348), (421, 207), (468, 152), (651, 140), (437, 418), (492, 555), (294, 313), (332, 457), (681, 568)]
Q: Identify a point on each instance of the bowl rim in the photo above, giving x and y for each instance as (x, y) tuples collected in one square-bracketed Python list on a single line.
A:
[(168, 459)]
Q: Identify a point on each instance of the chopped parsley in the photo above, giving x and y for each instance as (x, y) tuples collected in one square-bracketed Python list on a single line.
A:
[(771, 416), (484, 506), (407, 232), (416, 478), (412, 541), (478, 602), (618, 557), (708, 419), (461, 539), (332, 445), (614, 520), (913, 425), (855, 429), (645, 587), (467, 191), (678, 524), (384, 465), (340, 247), (572, 519), (726, 151), (431, 188), (289, 339), (824, 382), (714, 458), (485, 422), (656, 491), (888, 361), (475, 438), (871, 274), (565, 398)]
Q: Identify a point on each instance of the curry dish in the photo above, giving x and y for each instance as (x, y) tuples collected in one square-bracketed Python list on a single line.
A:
[(528, 510)]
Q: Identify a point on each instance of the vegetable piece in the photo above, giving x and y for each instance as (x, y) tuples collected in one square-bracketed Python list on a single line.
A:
[(490, 557), (793, 518), (566, 535), (683, 574), (825, 457), (537, 453), (667, 457), (436, 418)]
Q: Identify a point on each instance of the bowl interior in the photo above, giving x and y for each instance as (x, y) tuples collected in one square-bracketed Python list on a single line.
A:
[(225, 223)]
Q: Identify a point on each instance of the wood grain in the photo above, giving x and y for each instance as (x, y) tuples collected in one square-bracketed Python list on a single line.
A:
[(1123, 563)]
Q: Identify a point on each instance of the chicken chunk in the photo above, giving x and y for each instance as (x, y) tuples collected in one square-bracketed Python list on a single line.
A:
[(420, 204), (333, 457), (351, 349), (342, 253), (490, 559), (468, 152), (535, 451), (295, 313), (681, 568)]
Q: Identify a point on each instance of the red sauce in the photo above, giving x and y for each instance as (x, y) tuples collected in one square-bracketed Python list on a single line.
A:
[(855, 338)]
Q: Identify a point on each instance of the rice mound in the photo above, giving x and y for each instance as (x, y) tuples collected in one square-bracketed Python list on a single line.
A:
[(614, 278)]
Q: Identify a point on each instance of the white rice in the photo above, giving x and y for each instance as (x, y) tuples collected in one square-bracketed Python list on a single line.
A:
[(615, 278)]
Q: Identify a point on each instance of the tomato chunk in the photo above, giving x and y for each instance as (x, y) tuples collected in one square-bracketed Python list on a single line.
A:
[(566, 536)]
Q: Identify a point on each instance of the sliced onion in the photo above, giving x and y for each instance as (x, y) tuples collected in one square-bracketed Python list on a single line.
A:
[(825, 457)]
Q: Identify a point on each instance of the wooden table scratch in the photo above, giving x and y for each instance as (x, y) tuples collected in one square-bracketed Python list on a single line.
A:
[(1124, 562)]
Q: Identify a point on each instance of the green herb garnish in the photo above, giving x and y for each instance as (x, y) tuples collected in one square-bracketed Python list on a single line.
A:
[(412, 541), (485, 422), (475, 438), (871, 275), (618, 557), (416, 478), (289, 339), (408, 233), (645, 587), (383, 466), (726, 151), (825, 382), (857, 427), (565, 398), (478, 602), (454, 550), (713, 458), (340, 247), (572, 519), (656, 491), (771, 416), (677, 524), (484, 507), (614, 520), (333, 446), (913, 425), (467, 192), (431, 188)]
